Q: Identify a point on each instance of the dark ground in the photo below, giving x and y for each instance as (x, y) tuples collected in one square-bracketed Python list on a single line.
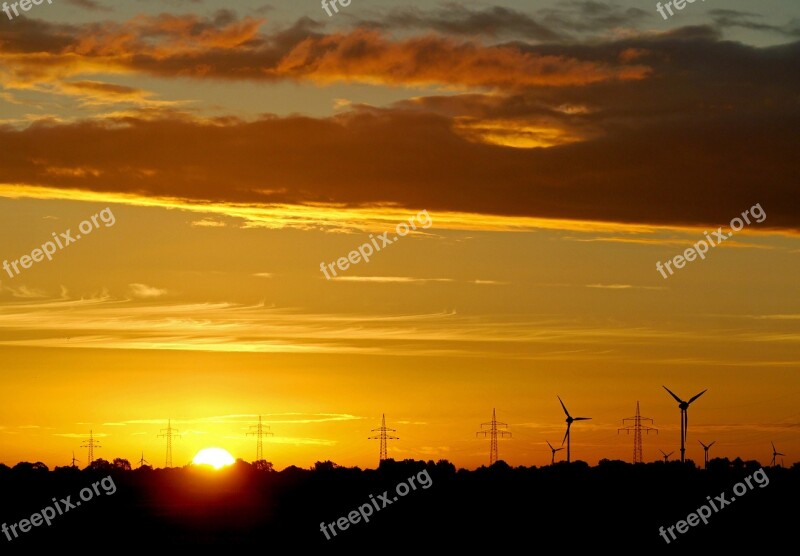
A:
[(614, 505)]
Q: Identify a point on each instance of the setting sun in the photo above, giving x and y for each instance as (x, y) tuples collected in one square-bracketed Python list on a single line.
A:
[(215, 457)]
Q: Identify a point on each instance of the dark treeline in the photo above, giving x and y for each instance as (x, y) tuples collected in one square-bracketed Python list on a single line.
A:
[(252, 506)]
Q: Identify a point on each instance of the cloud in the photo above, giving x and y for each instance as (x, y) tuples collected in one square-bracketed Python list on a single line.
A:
[(725, 19), (389, 279), (90, 5), (460, 20), (557, 131), (209, 223), (143, 291), (623, 287), (233, 49), (24, 292)]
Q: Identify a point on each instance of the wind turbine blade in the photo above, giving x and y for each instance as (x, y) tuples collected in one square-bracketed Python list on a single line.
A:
[(669, 454), (703, 445), (672, 394), (566, 434), (551, 446), (779, 454), (581, 418), (698, 395), (710, 445), (663, 452), (563, 406), (559, 449), (773, 446)]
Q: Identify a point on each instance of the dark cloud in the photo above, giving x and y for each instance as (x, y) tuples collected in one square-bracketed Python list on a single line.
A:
[(725, 19), (698, 130), (224, 47), (586, 16), (90, 5), (457, 20)]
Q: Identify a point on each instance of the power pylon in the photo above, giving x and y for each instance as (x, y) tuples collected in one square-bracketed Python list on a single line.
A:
[(168, 433), (90, 444), (493, 432), (259, 433), (637, 429), (383, 437), (143, 461)]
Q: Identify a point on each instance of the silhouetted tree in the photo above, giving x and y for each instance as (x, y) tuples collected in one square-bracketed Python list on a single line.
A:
[(101, 465), (326, 465), (122, 464), (263, 465), (26, 466)]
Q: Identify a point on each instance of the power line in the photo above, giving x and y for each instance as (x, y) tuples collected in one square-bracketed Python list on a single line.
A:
[(259, 433), (383, 437), (168, 433), (90, 444), (492, 433), (637, 429)]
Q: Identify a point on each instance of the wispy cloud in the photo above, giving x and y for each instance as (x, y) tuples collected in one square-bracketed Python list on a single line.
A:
[(143, 291)]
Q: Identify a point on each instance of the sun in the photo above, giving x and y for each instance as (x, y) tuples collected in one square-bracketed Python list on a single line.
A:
[(215, 457)]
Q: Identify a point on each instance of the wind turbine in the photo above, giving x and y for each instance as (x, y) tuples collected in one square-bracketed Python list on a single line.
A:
[(143, 461), (666, 455), (554, 450), (569, 420), (74, 460), (705, 464), (684, 406), (776, 453)]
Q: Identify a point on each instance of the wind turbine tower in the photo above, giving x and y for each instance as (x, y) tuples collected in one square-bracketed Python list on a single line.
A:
[(705, 455), (684, 407), (570, 419)]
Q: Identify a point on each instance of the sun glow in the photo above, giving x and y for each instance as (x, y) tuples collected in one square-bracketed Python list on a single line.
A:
[(215, 457)]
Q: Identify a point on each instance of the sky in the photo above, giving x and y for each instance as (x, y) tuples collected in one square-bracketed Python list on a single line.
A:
[(548, 154)]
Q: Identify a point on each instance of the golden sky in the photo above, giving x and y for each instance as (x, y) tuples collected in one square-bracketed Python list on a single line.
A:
[(559, 149)]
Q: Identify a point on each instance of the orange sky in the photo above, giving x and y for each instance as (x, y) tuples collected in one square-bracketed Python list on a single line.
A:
[(558, 162)]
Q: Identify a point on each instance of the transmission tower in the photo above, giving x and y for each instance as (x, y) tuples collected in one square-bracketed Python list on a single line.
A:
[(637, 429), (169, 433), (259, 433), (143, 461), (383, 437), (74, 460), (90, 444), (493, 432)]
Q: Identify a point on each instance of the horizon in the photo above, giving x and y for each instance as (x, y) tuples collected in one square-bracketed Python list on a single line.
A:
[(429, 211)]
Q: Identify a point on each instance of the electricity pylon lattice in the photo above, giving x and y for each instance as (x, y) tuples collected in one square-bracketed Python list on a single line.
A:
[(383, 437), (637, 427), (493, 432), (259, 433), (169, 433), (90, 445)]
